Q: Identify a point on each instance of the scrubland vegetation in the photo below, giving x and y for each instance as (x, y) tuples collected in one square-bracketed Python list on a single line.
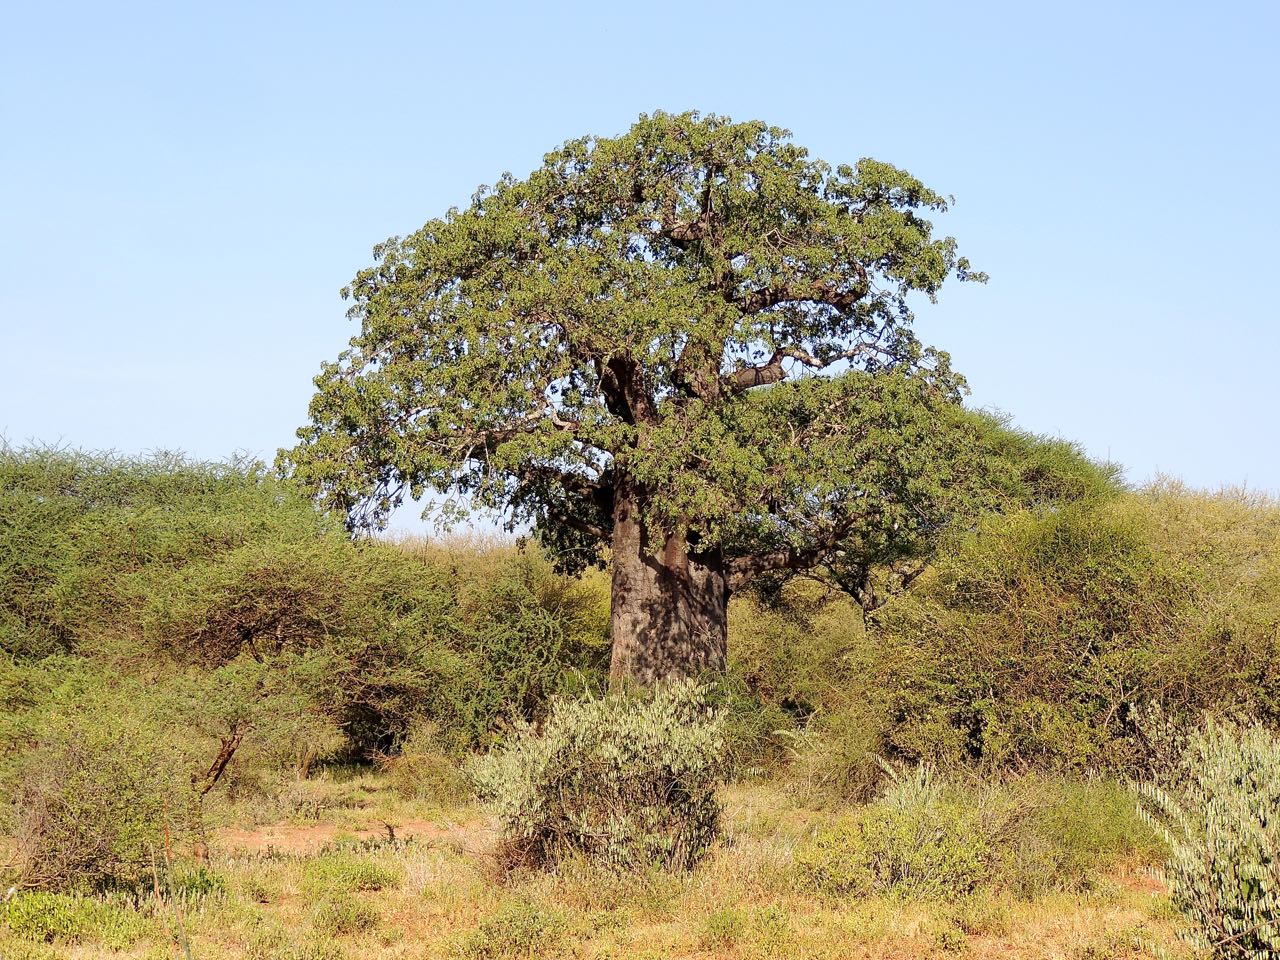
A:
[(231, 731)]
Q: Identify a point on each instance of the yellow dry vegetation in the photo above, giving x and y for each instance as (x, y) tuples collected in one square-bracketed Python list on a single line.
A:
[(378, 877)]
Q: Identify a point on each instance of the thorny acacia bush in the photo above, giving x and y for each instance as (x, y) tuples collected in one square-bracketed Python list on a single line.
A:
[(163, 562), (1029, 642), (1036, 639), (1217, 810), (103, 787), (623, 781)]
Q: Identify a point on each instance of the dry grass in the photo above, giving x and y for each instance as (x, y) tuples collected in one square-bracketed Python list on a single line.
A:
[(450, 901)]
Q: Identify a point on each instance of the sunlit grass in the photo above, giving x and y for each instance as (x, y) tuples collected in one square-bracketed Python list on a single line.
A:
[(340, 888)]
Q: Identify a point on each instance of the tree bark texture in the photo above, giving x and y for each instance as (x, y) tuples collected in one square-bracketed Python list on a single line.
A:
[(670, 605)]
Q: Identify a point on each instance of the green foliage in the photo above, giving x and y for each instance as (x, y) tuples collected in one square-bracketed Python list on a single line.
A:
[(518, 929), (337, 916), (915, 842), (723, 929), (1036, 639), (836, 755), (423, 770), (264, 621), (1060, 832), (1218, 814), (928, 838), (74, 918), (102, 789), (623, 781), (343, 915), (339, 872), (637, 318)]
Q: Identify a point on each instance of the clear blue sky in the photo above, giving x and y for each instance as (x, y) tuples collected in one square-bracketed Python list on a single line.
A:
[(185, 187)]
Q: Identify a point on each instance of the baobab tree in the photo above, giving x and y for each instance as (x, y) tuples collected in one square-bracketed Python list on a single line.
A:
[(688, 349)]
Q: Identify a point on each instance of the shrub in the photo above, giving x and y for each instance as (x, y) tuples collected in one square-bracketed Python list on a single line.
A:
[(914, 842), (73, 918), (723, 929), (516, 930), (1034, 638), (786, 649), (1218, 814), (139, 562), (930, 839), (333, 873), (1072, 830), (836, 756), (423, 770), (103, 789), (623, 781), (342, 915)]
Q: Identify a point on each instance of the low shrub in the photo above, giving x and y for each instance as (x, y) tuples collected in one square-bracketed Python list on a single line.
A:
[(622, 781), (836, 757), (336, 873), (337, 916), (723, 929), (1033, 640), (74, 918), (423, 769), (1218, 813), (930, 839), (1074, 829), (914, 842), (516, 930)]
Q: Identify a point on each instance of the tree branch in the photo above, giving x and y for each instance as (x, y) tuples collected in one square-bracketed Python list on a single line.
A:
[(757, 376), (830, 294), (744, 569)]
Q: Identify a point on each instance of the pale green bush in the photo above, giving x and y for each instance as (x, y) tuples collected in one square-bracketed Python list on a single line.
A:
[(622, 781), (927, 838), (914, 842), (1219, 813), (102, 790)]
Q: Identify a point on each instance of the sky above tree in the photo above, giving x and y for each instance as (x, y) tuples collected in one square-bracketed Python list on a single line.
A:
[(184, 191)]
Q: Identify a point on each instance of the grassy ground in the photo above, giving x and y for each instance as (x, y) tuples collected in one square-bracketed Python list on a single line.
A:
[(357, 873)]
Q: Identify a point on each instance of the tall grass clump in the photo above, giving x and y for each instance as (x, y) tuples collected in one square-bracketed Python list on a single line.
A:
[(1219, 811), (622, 781)]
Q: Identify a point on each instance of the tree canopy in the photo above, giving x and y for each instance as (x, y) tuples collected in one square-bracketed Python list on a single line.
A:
[(693, 336)]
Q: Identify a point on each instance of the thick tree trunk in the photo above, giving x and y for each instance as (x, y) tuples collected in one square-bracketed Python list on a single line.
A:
[(670, 610)]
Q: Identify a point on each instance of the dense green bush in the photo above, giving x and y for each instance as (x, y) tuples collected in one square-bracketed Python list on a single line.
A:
[(74, 918), (162, 566), (914, 842), (622, 781), (1031, 641), (103, 788), (1219, 813)]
